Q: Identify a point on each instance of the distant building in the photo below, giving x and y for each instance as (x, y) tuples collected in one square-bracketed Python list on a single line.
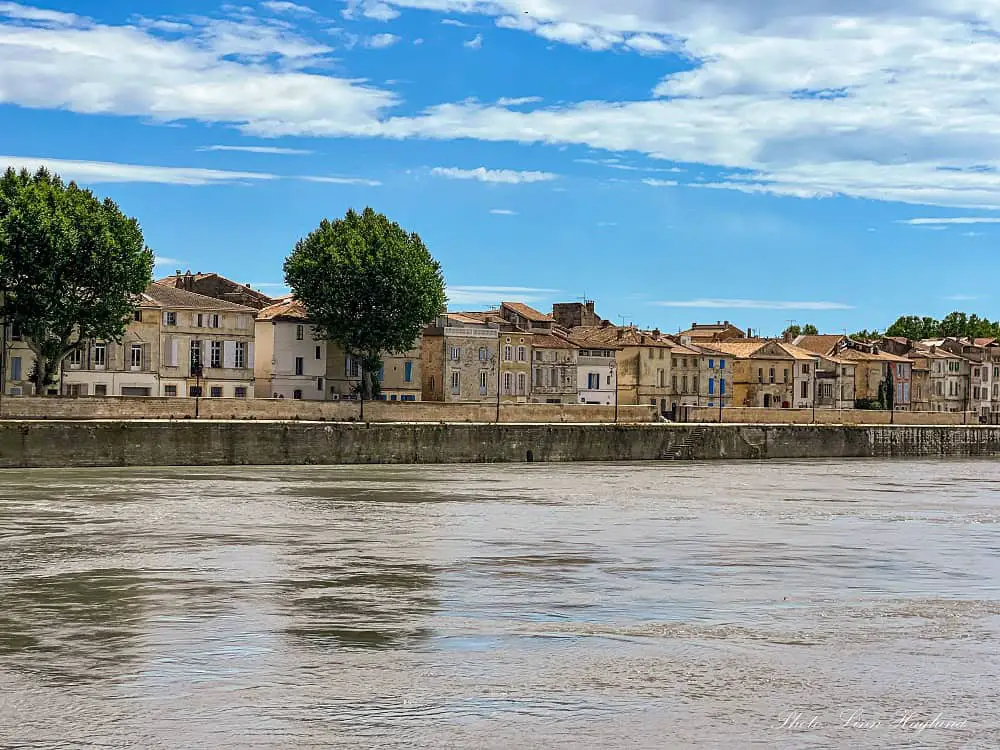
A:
[(290, 361), (460, 359), (706, 333), (555, 362)]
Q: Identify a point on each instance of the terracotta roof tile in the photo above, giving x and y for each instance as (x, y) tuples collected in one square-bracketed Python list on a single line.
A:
[(168, 296), (289, 308), (529, 313), (823, 343)]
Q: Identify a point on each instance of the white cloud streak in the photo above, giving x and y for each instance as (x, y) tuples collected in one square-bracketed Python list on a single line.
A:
[(492, 295), (475, 43), (342, 180), (752, 304), (259, 150), (281, 6), (503, 212), (95, 172), (496, 176), (959, 220), (381, 41)]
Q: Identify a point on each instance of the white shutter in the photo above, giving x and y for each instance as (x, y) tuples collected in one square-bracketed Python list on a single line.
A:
[(229, 354), (165, 314), (176, 353), (250, 359), (167, 352)]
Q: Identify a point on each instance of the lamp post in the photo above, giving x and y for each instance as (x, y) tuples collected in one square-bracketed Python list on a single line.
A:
[(815, 386), (196, 370), (614, 385), (499, 368)]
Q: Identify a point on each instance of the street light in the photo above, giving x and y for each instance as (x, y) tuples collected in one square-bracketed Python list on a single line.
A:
[(614, 385), (495, 366)]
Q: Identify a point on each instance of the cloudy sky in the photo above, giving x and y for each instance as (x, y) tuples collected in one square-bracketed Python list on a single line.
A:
[(825, 161)]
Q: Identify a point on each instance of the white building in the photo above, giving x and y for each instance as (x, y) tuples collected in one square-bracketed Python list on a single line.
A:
[(597, 376), (290, 361)]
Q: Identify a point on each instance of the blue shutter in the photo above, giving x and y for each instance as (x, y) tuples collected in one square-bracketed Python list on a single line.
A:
[(408, 372)]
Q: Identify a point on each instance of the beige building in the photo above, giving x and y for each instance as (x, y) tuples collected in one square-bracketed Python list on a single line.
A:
[(219, 287), (555, 366)]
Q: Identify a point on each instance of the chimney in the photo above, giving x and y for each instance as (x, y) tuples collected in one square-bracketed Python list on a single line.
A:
[(656, 332)]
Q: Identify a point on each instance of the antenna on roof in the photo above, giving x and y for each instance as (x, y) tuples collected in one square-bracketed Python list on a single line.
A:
[(623, 318)]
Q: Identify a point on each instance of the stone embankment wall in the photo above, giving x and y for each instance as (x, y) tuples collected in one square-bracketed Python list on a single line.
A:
[(205, 443), (127, 407), (747, 415)]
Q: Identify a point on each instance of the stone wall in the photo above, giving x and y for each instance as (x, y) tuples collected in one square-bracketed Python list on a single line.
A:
[(314, 411), (38, 444), (748, 415)]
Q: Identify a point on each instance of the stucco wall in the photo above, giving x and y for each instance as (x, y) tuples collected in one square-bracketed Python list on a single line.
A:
[(194, 443), (375, 411), (747, 415)]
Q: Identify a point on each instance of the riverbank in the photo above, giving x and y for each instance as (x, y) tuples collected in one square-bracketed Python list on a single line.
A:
[(49, 443)]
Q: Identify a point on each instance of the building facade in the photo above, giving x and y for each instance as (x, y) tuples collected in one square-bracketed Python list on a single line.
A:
[(460, 359), (555, 367), (290, 361), (218, 287)]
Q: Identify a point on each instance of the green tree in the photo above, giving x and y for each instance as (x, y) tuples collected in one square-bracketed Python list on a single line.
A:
[(810, 330), (71, 267), (866, 335), (793, 331), (368, 285)]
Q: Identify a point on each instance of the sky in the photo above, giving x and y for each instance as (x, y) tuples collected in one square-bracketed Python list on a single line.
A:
[(832, 162)]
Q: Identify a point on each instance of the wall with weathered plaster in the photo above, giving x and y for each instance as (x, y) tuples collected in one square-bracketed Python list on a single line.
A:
[(204, 443), (749, 415)]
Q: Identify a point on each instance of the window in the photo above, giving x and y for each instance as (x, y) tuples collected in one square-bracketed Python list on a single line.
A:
[(408, 372), (319, 384), (652, 353), (456, 382), (538, 356), (137, 316), (673, 383), (299, 365), (216, 391), (673, 362), (195, 353), (522, 354), (661, 378), (771, 374), (722, 364), (722, 386), (319, 352), (455, 354), (240, 360), (661, 354), (199, 321), (101, 389), (100, 355), (711, 386), (593, 381), (522, 384), (483, 354), (538, 377), (194, 391), (711, 366), (900, 371), (216, 321), (300, 333), (136, 356), (760, 374), (508, 353), (297, 395), (170, 390), (170, 318), (805, 369), (353, 367), (75, 358), (508, 383), (484, 382), (684, 382), (408, 397), (216, 354), (15, 368), (805, 388), (786, 374), (240, 391)]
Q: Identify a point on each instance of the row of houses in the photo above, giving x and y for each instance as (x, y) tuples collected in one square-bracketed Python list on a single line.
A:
[(203, 334)]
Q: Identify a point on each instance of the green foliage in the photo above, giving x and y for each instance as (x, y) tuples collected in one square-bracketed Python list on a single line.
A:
[(794, 330), (368, 285), (810, 330), (868, 404), (866, 335), (957, 324), (71, 267)]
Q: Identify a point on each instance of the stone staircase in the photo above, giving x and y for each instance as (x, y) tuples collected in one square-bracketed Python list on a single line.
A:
[(683, 450)]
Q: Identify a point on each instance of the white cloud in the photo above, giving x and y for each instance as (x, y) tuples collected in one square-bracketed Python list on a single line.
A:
[(518, 101), (238, 72), (502, 176), (381, 41), (961, 298), (493, 295), (973, 234), (42, 15), (503, 212), (652, 182), (160, 260), (281, 6), (342, 180), (454, 22), (373, 9), (753, 304), (475, 43), (960, 220), (94, 172), (259, 150)]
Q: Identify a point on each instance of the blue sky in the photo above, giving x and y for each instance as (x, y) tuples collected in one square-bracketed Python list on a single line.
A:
[(830, 161)]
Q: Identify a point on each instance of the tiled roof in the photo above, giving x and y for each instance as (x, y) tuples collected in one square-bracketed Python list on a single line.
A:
[(738, 349), (798, 352), (170, 297), (289, 308), (616, 337), (853, 354), (529, 313), (823, 343), (470, 318), (551, 341), (175, 281), (984, 342)]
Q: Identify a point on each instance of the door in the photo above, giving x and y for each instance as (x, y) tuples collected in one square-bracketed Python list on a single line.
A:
[(767, 400)]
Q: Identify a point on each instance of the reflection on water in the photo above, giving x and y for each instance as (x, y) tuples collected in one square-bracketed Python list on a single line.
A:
[(819, 604)]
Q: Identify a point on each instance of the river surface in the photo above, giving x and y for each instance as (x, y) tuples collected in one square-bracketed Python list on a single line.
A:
[(720, 605)]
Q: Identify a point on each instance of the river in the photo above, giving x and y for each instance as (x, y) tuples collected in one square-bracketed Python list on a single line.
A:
[(782, 604)]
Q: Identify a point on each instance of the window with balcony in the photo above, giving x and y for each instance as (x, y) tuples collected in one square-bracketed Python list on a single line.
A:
[(456, 382), (484, 382), (522, 354)]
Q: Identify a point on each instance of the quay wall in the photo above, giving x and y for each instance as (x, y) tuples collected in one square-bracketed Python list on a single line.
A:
[(138, 407), (754, 415), (55, 443)]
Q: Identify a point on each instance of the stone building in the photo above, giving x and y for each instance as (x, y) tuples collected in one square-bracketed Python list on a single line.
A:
[(219, 287), (290, 361), (705, 333), (459, 359), (555, 363)]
